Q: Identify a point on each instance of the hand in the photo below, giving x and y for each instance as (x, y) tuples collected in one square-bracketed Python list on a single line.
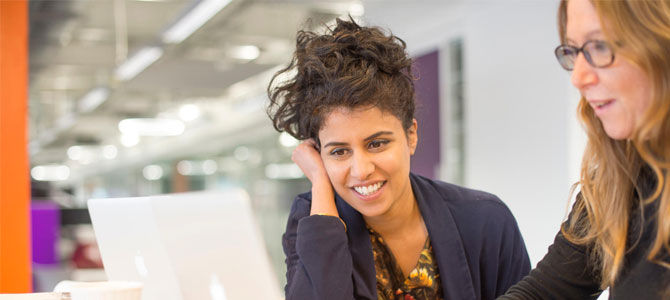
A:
[(308, 158)]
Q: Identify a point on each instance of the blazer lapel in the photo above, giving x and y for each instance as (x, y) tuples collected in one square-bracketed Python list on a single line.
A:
[(446, 241), (365, 281)]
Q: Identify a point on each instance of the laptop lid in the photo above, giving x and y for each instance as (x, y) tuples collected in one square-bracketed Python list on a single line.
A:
[(203, 245)]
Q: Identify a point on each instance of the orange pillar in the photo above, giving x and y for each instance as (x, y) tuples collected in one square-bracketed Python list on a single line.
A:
[(15, 273), (180, 182)]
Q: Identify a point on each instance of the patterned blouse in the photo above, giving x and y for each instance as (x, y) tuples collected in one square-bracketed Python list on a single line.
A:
[(423, 282)]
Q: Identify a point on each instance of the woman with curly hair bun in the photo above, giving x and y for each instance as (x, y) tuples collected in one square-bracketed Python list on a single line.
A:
[(617, 235), (370, 229)]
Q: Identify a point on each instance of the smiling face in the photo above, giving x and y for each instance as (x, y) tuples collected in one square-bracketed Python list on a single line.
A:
[(620, 93), (366, 154)]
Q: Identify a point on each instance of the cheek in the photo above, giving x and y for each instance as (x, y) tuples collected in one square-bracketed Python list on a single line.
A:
[(643, 97), (636, 88), (641, 104), (393, 161), (335, 170), (636, 99)]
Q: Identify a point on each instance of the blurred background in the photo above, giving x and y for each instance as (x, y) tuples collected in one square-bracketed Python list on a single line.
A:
[(143, 97)]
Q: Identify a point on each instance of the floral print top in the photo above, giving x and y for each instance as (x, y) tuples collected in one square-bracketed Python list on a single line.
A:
[(422, 283)]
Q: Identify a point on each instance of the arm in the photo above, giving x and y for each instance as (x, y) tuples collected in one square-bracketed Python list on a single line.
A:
[(513, 259), (563, 273), (502, 259), (318, 260)]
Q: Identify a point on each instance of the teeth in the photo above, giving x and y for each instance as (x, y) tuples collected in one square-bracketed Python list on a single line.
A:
[(370, 189)]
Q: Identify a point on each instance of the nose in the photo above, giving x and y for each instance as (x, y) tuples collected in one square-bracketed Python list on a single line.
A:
[(583, 74), (362, 166)]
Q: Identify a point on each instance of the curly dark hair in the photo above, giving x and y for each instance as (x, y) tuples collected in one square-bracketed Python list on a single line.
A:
[(350, 66)]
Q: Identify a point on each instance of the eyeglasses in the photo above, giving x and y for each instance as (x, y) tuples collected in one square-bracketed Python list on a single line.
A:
[(597, 53)]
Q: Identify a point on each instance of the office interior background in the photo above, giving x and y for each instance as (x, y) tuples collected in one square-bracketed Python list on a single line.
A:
[(142, 97)]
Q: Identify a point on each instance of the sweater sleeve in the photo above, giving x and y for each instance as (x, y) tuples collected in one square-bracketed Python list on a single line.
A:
[(513, 256), (502, 259), (318, 260), (563, 273)]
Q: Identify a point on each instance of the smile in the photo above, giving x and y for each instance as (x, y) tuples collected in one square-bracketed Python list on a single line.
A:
[(369, 189), (601, 107), (600, 104)]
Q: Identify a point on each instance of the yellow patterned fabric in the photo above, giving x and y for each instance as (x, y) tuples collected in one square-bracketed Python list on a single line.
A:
[(422, 283)]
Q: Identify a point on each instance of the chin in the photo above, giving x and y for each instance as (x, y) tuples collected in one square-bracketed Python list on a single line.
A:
[(618, 133), (371, 211)]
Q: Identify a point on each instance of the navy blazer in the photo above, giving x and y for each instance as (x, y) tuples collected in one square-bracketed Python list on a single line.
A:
[(479, 249)]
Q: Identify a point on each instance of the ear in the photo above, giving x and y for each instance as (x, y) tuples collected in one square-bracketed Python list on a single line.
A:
[(412, 137)]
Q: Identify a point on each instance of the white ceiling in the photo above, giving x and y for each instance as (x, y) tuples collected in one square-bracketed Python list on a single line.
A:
[(75, 46)]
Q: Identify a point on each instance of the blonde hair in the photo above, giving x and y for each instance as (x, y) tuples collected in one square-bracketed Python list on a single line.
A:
[(640, 32)]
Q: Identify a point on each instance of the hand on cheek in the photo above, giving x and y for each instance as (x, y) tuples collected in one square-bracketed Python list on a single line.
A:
[(309, 160)]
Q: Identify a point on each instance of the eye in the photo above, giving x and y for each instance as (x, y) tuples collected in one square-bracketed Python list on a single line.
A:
[(566, 51), (376, 144), (599, 48), (338, 152)]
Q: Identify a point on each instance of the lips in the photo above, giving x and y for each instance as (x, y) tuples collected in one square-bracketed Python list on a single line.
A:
[(600, 106)]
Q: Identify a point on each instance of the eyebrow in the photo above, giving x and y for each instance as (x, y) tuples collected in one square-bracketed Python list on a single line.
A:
[(589, 35), (331, 144)]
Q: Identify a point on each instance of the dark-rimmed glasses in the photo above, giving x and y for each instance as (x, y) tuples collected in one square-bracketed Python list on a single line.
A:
[(597, 53)]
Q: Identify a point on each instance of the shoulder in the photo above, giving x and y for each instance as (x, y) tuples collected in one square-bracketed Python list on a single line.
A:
[(465, 203)]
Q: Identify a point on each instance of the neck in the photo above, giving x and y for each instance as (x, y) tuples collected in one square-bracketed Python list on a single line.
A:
[(402, 216)]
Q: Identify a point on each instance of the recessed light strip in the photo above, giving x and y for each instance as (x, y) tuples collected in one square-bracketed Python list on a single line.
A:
[(138, 62), (193, 20)]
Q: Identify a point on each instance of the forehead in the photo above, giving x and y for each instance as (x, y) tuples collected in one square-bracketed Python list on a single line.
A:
[(583, 22), (342, 122)]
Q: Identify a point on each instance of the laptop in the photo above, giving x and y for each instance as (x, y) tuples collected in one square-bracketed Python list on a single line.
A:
[(191, 246)]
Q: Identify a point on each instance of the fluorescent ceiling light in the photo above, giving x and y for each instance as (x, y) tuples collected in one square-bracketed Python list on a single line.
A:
[(93, 99), (130, 140), (356, 9), (152, 172), (287, 140), (209, 167), (193, 167), (138, 62), (75, 152), (93, 34), (193, 19), (151, 127), (189, 112), (246, 52), (283, 171), (50, 172), (110, 152), (85, 154)]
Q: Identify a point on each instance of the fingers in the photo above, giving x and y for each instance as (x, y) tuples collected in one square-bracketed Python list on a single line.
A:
[(312, 143), (308, 159), (305, 148)]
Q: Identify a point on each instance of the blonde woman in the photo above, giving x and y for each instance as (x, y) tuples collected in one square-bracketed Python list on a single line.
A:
[(618, 233)]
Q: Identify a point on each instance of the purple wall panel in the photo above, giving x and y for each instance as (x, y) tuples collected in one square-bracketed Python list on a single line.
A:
[(427, 156), (45, 222)]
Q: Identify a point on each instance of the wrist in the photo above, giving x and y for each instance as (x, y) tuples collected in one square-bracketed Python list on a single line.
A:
[(321, 180), (323, 200)]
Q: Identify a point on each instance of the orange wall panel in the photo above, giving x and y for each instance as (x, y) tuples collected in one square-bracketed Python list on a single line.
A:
[(15, 271)]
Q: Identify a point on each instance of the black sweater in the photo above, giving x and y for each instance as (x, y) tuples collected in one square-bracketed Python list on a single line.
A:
[(566, 273)]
